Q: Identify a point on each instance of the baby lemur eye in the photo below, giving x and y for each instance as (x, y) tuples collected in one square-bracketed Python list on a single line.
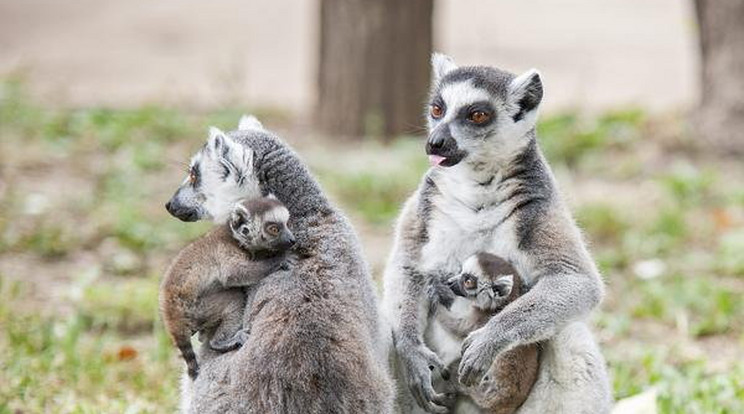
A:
[(479, 117), (436, 111), (273, 229), (470, 282), (244, 231)]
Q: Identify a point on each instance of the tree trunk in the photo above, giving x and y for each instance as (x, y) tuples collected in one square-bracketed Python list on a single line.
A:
[(721, 114), (373, 74)]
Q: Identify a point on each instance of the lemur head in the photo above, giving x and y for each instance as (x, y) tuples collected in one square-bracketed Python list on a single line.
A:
[(487, 280), (479, 114), (220, 175), (260, 226)]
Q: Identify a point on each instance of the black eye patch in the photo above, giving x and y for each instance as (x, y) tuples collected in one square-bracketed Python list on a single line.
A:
[(480, 106)]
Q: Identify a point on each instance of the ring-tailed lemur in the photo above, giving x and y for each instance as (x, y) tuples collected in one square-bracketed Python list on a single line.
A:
[(203, 289), (314, 345), (490, 189), (485, 285)]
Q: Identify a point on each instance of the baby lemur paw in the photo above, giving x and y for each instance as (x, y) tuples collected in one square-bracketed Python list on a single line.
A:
[(230, 344)]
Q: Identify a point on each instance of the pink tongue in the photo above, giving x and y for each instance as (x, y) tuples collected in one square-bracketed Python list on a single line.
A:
[(435, 160)]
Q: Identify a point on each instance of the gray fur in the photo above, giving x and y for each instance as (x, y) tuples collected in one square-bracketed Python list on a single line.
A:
[(314, 337), (500, 198)]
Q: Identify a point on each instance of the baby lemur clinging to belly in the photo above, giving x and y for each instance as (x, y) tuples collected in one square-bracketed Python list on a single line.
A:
[(203, 290), (487, 283)]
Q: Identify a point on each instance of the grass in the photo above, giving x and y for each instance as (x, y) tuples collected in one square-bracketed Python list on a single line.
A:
[(84, 238)]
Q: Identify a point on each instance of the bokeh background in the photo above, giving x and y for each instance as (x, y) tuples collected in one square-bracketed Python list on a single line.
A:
[(102, 102)]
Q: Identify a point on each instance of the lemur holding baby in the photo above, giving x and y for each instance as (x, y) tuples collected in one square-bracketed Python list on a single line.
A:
[(491, 190)]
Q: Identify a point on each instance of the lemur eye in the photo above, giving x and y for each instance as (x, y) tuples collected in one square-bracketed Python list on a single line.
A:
[(273, 229), (479, 117), (244, 231), (192, 177), (436, 111), (470, 283)]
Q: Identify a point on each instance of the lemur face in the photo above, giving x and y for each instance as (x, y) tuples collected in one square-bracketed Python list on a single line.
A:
[(477, 113), (260, 226), (486, 280), (220, 175)]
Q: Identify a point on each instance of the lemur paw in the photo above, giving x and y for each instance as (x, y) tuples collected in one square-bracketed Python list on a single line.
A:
[(478, 352), (420, 362)]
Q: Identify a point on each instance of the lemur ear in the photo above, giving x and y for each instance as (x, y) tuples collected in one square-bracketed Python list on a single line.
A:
[(526, 90), (238, 216), (503, 285), (249, 122), (222, 146), (440, 66), (217, 141)]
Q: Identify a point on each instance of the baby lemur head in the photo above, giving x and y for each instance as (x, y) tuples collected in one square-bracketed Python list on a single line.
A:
[(487, 280), (260, 226)]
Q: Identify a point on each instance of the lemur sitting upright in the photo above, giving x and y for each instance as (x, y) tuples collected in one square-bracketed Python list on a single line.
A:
[(487, 283), (203, 289), (491, 190)]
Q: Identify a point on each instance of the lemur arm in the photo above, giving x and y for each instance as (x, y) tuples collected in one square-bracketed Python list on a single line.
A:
[(406, 306), (240, 272), (567, 288)]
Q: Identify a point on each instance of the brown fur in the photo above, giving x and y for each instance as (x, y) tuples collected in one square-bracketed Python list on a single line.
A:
[(202, 290)]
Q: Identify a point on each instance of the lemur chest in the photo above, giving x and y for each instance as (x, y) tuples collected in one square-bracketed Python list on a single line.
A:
[(455, 232)]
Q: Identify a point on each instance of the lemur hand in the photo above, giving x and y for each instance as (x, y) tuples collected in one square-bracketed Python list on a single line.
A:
[(419, 363), (478, 352)]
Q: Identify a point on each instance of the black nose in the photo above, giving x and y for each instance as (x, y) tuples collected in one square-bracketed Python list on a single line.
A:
[(434, 144), (168, 206), (291, 241)]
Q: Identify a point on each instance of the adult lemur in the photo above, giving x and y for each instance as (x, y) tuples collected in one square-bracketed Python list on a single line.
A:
[(314, 343), (490, 189)]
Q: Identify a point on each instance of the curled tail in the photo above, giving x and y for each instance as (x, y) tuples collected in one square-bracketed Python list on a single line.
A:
[(187, 352)]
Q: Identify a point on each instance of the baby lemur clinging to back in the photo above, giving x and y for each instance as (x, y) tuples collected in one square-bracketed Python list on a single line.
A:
[(203, 289), (488, 283)]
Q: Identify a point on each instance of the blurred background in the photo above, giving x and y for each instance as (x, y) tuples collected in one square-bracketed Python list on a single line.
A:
[(102, 102)]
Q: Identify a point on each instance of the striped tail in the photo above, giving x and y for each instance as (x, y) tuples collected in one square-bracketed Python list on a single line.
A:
[(187, 352)]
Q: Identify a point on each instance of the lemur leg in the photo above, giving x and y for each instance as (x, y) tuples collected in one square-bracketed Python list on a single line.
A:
[(241, 336), (228, 335)]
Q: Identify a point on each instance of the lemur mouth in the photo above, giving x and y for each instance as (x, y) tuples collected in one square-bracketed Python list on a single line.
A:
[(435, 160)]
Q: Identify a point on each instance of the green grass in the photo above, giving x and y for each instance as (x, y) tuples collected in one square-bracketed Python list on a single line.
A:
[(85, 235)]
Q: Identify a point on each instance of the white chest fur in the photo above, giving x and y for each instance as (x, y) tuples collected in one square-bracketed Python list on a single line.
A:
[(457, 231)]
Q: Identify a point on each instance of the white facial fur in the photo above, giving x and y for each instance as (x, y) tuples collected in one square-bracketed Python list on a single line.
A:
[(219, 192), (501, 140)]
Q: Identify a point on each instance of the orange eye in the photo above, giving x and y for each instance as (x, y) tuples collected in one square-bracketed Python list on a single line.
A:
[(192, 177), (436, 111), (470, 283), (479, 117), (272, 229)]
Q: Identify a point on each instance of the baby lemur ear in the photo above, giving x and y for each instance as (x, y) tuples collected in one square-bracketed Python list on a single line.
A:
[(503, 285), (440, 66), (239, 216), (526, 90)]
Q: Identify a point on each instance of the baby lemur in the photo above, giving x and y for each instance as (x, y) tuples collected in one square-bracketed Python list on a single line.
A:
[(488, 283), (203, 289)]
